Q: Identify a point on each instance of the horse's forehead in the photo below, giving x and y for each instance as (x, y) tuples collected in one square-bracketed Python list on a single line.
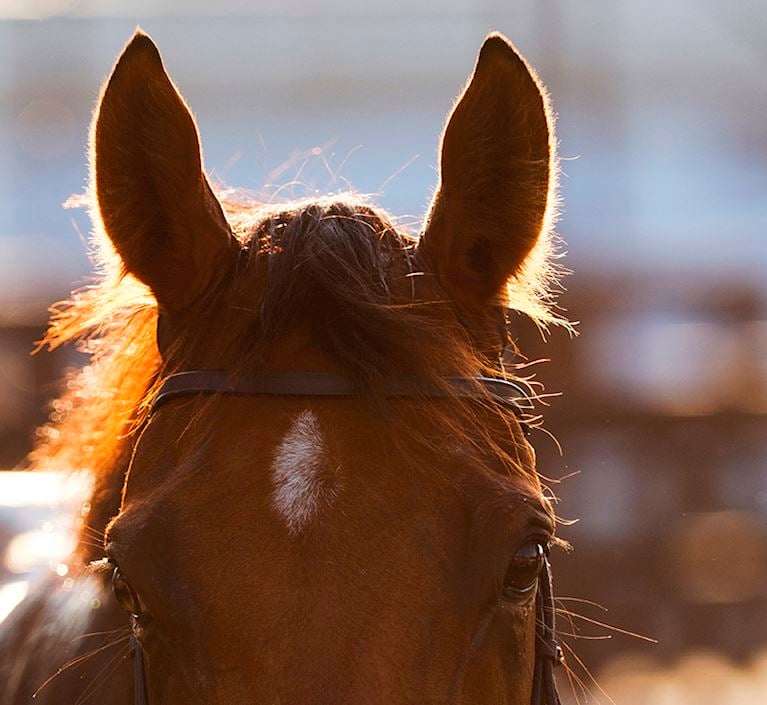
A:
[(309, 467), (305, 477)]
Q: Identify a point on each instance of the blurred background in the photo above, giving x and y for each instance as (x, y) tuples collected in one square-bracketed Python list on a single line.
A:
[(661, 121)]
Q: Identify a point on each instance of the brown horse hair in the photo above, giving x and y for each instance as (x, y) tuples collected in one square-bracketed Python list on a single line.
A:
[(327, 261)]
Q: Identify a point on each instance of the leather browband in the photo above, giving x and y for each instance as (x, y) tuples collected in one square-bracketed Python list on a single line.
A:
[(330, 385)]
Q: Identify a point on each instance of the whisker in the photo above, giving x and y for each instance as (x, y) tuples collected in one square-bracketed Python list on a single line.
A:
[(126, 629), (73, 524), (98, 533), (568, 673), (588, 637), (573, 625), (79, 659), (91, 543), (575, 634), (588, 673), (586, 692), (102, 676), (574, 680), (618, 630), (582, 600)]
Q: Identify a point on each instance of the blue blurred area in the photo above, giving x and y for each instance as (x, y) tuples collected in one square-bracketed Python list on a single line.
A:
[(660, 118)]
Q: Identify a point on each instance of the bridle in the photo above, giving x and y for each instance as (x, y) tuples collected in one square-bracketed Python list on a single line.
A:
[(548, 653)]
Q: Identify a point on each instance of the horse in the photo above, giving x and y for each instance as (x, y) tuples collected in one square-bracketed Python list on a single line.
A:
[(312, 479)]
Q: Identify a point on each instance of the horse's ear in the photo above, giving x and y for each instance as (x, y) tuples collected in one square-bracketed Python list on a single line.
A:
[(153, 196), (495, 172)]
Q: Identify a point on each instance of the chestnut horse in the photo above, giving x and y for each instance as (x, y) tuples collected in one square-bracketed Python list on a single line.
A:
[(299, 548)]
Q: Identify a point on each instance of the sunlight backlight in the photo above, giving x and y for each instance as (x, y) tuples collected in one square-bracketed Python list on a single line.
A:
[(699, 678), (10, 596), (42, 489), (31, 549), (40, 508)]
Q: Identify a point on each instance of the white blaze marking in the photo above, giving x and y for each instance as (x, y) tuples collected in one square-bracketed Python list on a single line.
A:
[(303, 480)]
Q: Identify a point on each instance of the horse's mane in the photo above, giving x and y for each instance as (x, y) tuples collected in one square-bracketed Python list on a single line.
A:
[(325, 260)]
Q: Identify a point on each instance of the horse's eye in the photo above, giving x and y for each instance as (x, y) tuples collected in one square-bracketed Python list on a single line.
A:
[(125, 594), (524, 569)]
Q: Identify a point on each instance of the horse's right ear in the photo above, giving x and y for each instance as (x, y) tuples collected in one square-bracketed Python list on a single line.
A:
[(497, 165), (153, 196)]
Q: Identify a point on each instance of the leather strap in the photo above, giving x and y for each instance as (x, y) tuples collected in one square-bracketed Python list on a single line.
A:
[(140, 695), (313, 384), (548, 653)]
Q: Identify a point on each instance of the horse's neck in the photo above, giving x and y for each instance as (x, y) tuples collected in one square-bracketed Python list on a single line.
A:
[(57, 624)]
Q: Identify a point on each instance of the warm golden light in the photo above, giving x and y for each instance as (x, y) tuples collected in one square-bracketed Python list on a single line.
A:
[(699, 678), (720, 557), (10, 596)]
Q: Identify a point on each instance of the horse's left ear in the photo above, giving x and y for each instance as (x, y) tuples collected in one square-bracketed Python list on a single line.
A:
[(496, 166), (153, 196)]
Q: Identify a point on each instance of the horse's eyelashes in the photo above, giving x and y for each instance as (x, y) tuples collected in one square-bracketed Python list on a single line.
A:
[(101, 565)]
